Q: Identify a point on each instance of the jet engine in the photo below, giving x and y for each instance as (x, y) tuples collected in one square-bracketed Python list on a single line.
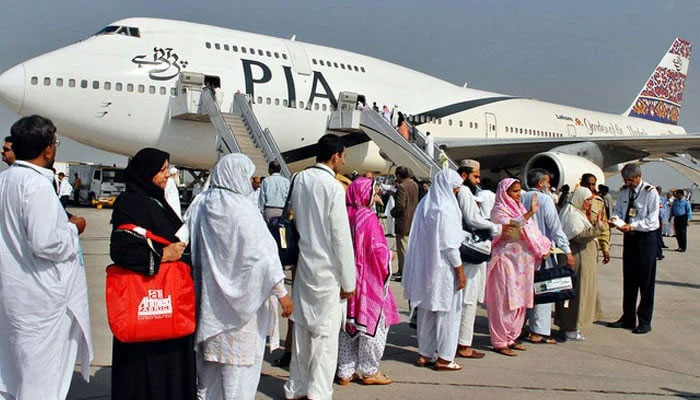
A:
[(564, 168)]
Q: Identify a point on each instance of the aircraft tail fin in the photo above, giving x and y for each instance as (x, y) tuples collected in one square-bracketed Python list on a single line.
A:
[(661, 97)]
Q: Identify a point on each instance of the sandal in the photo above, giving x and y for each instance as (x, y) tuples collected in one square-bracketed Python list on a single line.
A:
[(474, 354), (345, 382), (425, 362), (518, 346), (542, 339), (506, 351), (376, 379), (452, 366)]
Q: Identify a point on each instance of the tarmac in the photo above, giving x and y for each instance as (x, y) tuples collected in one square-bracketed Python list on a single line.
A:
[(610, 364)]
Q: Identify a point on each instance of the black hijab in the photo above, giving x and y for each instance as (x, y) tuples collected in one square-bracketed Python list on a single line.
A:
[(141, 170)]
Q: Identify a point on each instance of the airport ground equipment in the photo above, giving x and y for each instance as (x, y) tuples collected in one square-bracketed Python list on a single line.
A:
[(236, 132), (102, 184), (411, 154)]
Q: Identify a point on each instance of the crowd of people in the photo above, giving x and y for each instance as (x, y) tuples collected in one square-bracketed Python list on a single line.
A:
[(341, 306)]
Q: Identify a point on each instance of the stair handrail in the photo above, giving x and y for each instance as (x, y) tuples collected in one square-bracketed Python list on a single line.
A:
[(261, 137), (223, 131), (420, 140)]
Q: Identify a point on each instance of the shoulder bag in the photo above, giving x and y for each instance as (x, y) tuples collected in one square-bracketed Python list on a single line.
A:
[(554, 284), (285, 233)]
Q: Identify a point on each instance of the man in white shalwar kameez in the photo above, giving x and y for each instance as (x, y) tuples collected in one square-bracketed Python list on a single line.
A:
[(434, 277), (470, 171), (325, 274), (241, 283), (44, 318)]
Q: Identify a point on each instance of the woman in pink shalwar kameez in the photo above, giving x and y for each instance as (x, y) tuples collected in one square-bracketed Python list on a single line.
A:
[(510, 274), (372, 309)]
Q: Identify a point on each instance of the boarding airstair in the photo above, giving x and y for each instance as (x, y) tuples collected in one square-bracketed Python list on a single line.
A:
[(398, 150), (236, 132)]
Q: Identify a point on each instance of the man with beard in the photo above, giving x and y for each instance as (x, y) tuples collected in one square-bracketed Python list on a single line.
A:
[(547, 218), (470, 172)]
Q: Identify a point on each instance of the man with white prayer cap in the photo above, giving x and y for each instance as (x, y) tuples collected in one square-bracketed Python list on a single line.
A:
[(434, 275), (472, 217), (172, 194), (44, 317), (325, 274), (241, 283)]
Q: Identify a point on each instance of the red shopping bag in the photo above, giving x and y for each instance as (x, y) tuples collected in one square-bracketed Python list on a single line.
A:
[(144, 308)]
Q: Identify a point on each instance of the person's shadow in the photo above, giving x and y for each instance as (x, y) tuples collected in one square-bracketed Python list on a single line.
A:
[(98, 388)]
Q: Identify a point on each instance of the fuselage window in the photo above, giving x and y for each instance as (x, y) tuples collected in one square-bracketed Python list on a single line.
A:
[(47, 81), (83, 83), (449, 122), (59, 82), (313, 60), (321, 62), (277, 55), (362, 69), (471, 124), (260, 52), (259, 100), (163, 90), (152, 89), (118, 86), (129, 87), (284, 102), (324, 107), (268, 53), (277, 101), (476, 125), (226, 47), (268, 101), (173, 91), (316, 106), (251, 50), (234, 47), (460, 124), (71, 83), (142, 88), (34, 80), (439, 121), (301, 104), (335, 64), (243, 49), (330, 64), (134, 32), (207, 45), (293, 104), (284, 56), (107, 85), (342, 66), (217, 46), (355, 68)]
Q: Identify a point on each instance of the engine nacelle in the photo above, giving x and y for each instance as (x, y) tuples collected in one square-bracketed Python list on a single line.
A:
[(565, 168)]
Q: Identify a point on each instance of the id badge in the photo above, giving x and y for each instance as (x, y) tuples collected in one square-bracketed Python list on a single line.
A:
[(283, 237), (633, 212)]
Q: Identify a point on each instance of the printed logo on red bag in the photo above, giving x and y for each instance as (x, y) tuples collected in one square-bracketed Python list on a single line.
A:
[(154, 306)]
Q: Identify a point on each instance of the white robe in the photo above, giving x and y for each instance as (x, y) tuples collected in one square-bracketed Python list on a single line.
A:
[(387, 213), (44, 317)]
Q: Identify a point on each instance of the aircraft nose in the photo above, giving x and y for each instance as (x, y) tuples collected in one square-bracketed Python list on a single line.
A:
[(12, 87)]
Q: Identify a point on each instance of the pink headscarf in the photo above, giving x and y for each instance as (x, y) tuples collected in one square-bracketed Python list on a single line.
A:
[(505, 208), (372, 259)]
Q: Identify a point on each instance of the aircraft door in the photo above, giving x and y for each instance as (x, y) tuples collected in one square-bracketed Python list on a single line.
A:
[(490, 126), (300, 61), (571, 130)]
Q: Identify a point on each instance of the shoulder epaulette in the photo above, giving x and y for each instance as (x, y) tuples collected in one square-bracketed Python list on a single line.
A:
[(649, 188)]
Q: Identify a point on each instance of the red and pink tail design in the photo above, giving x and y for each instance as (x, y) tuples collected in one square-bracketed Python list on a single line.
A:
[(661, 98)]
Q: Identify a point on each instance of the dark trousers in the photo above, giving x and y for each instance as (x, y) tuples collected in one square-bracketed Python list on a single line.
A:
[(638, 275), (681, 224), (64, 200), (659, 241)]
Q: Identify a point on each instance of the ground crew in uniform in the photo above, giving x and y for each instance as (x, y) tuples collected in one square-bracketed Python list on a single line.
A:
[(636, 214)]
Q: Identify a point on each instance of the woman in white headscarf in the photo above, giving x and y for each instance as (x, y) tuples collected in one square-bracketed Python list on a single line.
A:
[(582, 310), (433, 276), (240, 276)]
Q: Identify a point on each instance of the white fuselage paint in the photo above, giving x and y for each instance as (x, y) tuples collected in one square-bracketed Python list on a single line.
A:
[(124, 122)]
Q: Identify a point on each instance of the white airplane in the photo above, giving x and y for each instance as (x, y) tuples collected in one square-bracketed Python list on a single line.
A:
[(113, 91)]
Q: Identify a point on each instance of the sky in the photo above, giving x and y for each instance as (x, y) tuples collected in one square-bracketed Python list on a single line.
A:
[(595, 54)]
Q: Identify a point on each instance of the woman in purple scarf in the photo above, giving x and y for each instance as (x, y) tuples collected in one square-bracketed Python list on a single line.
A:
[(372, 309)]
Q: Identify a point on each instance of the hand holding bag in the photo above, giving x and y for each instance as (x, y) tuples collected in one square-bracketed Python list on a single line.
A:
[(554, 284), (143, 308), (476, 247)]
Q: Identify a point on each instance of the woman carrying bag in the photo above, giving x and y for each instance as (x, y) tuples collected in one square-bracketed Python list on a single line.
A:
[(161, 369)]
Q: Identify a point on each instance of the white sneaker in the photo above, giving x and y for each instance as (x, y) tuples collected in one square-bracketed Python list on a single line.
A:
[(575, 336)]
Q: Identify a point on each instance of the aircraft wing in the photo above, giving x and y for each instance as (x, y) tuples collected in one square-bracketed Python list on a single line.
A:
[(509, 153)]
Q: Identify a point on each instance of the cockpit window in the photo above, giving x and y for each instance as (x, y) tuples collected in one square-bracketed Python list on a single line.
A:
[(120, 30)]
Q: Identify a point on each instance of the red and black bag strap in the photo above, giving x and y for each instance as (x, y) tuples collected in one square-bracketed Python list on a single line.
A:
[(145, 233)]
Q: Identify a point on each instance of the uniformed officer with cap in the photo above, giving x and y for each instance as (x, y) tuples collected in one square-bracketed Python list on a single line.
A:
[(636, 214)]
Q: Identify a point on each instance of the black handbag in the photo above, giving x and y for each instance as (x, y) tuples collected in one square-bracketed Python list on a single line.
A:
[(554, 284), (476, 247), (285, 233)]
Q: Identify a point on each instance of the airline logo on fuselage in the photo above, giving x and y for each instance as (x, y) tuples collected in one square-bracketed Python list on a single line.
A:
[(165, 63)]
